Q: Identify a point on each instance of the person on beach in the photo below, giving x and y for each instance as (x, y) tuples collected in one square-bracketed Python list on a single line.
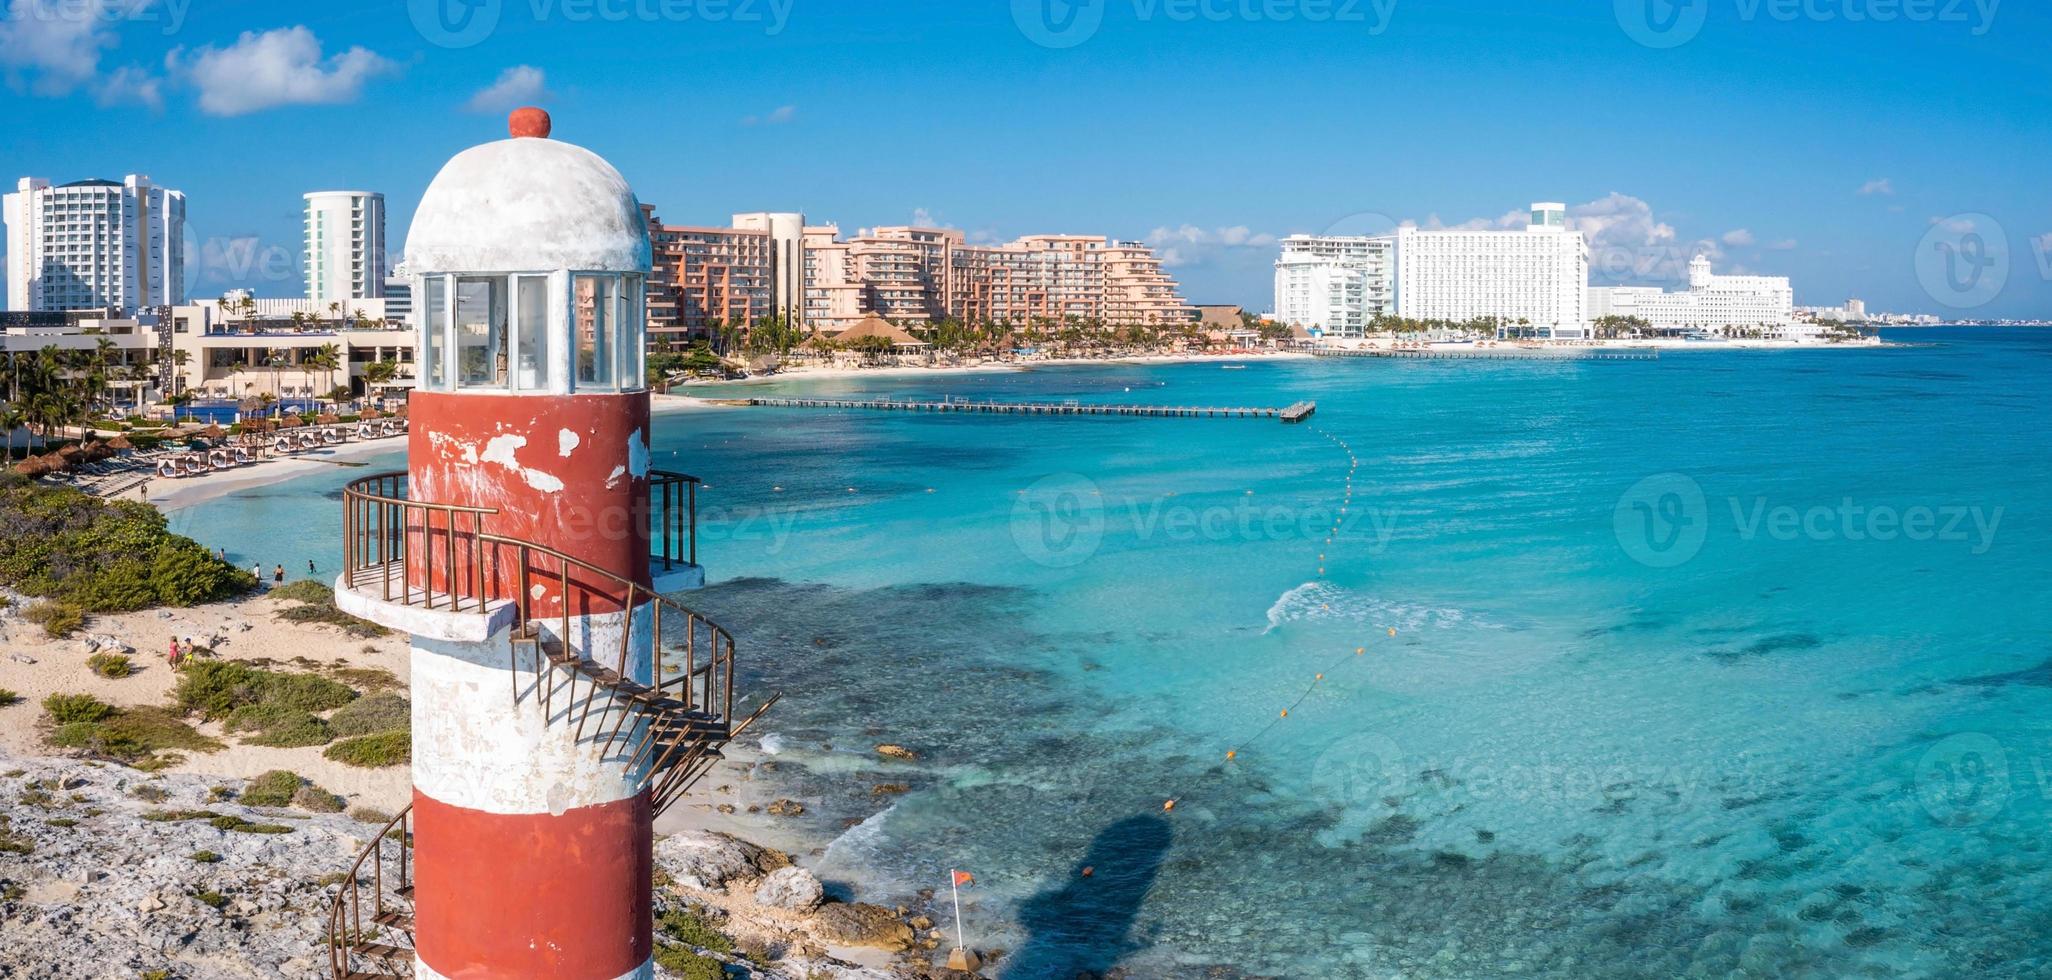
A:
[(278, 574), (258, 571), (310, 568), (171, 657)]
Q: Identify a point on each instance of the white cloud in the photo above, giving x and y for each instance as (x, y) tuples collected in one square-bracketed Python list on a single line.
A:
[(517, 86), (1955, 225), (130, 85), (922, 218), (1784, 245), (1739, 238), (53, 48), (1882, 186), (775, 117), (276, 68), (1189, 244)]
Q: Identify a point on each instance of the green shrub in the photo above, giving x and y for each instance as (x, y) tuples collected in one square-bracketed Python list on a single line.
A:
[(372, 713), (215, 688), (65, 709), (57, 619), (211, 898), (317, 800), (279, 726), (138, 736), (688, 965), (110, 665), (373, 751), (205, 857), (274, 788), (365, 814), (102, 556), (304, 590), (8, 699), (61, 822), (690, 925)]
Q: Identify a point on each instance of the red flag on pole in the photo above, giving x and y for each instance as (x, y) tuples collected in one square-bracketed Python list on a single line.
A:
[(964, 878)]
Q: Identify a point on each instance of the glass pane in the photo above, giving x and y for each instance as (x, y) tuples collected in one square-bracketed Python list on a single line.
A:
[(533, 310), (595, 296), (434, 367), (481, 332), (631, 332)]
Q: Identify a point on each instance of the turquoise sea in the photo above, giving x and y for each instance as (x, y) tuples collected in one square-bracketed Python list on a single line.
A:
[(1726, 664)]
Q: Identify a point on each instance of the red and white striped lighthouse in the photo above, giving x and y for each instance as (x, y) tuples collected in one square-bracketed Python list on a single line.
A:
[(527, 488)]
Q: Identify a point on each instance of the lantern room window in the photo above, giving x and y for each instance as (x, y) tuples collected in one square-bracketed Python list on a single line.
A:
[(532, 332)]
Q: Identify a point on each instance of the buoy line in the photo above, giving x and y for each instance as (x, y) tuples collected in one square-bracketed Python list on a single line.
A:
[(1232, 752)]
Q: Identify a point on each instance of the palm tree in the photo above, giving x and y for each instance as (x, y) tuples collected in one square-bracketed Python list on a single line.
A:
[(179, 358), (11, 418), (326, 358)]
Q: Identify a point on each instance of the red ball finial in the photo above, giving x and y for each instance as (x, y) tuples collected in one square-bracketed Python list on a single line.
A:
[(528, 122)]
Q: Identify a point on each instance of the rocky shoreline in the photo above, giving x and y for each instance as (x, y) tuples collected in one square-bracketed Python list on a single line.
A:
[(109, 871)]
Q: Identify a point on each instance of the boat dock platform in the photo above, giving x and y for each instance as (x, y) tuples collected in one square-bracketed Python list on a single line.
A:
[(1297, 412), (1646, 354)]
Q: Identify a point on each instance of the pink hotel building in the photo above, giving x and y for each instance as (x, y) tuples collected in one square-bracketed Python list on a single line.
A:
[(776, 264)]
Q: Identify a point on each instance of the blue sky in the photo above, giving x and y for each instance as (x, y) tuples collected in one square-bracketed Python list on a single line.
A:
[(1856, 145)]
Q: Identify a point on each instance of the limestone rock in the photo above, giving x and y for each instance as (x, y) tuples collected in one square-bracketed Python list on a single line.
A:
[(899, 752), (791, 889), (706, 861), (862, 924)]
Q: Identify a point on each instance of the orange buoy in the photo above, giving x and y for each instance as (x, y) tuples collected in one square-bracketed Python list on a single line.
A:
[(1231, 754), (1089, 870), (1360, 650), (1392, 631), (1286, 713), (1321, 677), (1170, 805)]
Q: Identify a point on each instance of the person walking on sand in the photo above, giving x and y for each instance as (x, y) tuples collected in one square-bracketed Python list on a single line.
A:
[(172, 656)]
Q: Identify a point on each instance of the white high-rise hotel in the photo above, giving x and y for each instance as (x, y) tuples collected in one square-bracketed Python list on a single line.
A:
[(1533, 281), (1712, 302), (345, 245), (94, 244), (1337, 283)]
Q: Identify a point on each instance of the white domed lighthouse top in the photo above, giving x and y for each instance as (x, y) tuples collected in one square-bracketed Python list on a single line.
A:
[(528, 204)]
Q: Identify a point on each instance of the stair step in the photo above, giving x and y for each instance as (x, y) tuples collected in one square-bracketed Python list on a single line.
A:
[(402, 921), (381, 949), (405, 891), (361, 975)]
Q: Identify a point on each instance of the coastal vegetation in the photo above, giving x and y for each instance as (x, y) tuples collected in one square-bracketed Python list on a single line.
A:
[(314, 602), (88, 555), (373, 751), (145, 737)]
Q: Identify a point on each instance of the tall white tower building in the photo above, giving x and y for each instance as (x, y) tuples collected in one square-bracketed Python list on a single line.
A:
[(345, 245), (1535, 281), (786, 232), (94, 244), (1337, 284)]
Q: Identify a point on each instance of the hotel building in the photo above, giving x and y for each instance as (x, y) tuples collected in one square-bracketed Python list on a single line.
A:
[(94, 245), (1535, 281), (1712, 303), (774, 264), (1334, 284), (345, 245)]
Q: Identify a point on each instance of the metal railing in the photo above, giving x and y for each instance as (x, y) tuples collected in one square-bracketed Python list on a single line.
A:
[(347, 935), (673, 517)]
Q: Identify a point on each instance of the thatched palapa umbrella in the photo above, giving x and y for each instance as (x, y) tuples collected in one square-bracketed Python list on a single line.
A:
[(292, 421), (214, 431), (120, 443)]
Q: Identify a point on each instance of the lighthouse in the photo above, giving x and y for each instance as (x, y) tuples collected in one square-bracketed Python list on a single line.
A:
[(561, 697)]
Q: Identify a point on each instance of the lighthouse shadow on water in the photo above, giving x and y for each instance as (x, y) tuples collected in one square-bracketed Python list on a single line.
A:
[(1084, 923)]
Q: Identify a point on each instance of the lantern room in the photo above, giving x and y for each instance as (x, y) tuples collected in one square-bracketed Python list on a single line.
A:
[(530, 258)]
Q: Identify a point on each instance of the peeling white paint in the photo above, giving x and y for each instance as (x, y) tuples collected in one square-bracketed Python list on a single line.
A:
[(613, 478), (637, 454), (566, 443), (501, 451)]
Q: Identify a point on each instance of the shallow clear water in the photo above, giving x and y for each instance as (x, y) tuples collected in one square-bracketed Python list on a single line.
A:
[(1726, 661)]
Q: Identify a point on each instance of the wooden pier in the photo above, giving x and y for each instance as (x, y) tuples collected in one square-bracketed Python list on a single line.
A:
[(1643, 354), (1297, 412)]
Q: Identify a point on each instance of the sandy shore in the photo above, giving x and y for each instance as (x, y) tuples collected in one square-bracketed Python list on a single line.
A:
[(245, 629), (808, 372), (170, 495)]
